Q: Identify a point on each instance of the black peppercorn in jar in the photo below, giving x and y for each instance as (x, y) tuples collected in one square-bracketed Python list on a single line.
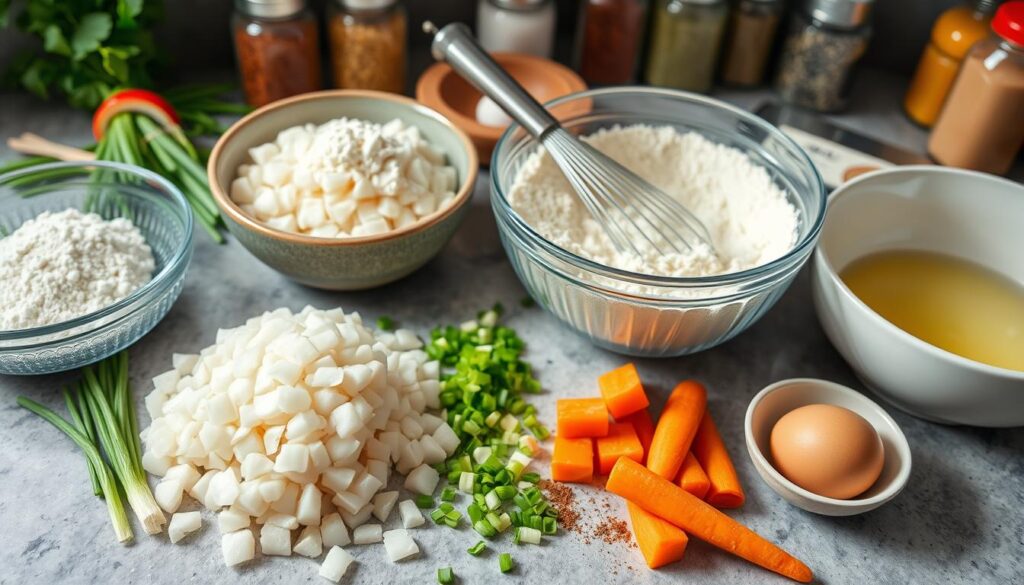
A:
[(823, 45)]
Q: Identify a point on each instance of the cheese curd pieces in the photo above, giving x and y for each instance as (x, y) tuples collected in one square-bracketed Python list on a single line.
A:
[(289, 426), (344, 178)]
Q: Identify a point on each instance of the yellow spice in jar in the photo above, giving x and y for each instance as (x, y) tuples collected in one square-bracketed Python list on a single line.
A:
[(368, 50)]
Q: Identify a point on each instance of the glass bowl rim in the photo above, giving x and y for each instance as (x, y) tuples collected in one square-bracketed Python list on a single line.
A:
[(160, 281), (798, 251)]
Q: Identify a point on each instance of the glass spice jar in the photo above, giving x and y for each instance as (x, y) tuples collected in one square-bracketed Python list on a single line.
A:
[(517, 26), (752, 28), (685, 39), (277, 48), (611, 35), (955, 32), (981, 126), (368, 44), (824, 43)]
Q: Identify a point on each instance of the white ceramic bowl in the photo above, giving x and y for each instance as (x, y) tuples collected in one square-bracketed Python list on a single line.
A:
[(770, 404), (966, 214)]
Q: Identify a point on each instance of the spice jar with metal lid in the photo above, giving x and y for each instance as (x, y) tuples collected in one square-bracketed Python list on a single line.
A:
[(981, 126), (752, 28), (517, 26), (610, 39), (824, 43), (685, 39), (277, 47), (368, 44)]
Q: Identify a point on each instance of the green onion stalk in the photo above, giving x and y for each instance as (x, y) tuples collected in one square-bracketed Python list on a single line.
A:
[(103, 418), (103, 478)]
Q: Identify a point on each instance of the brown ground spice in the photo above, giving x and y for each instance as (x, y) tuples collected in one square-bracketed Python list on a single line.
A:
[(563, 499), (610, 528)]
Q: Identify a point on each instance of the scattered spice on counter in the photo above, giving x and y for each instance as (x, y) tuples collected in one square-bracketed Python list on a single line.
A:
[(613, 530), (564, 500), (368, 45), (278, 51)]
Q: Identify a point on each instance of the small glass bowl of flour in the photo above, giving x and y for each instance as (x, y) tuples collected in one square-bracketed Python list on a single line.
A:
[(754, 189), (92, 255)]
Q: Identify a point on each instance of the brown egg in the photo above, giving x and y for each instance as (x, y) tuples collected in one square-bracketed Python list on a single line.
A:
[(828, 450)]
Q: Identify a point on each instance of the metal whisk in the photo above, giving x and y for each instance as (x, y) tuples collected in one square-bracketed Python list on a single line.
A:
[(638, 217)]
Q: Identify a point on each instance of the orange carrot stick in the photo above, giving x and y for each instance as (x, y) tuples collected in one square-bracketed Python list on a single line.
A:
[(710, 451), (644, 427), (663, 498), (676, 428), (582, 417), (692, 477), (659, 541), (622, 391)]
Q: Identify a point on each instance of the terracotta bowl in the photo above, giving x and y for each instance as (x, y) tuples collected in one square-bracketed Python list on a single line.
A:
[(343, 263), (443, 90)]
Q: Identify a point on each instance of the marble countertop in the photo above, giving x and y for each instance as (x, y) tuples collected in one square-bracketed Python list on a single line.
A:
[(958, 521)]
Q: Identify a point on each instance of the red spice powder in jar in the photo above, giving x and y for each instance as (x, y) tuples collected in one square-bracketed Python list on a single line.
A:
[(278, 49), (609, 48)]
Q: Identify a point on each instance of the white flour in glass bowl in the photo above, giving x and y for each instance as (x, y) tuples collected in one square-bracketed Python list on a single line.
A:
[(749, 218)]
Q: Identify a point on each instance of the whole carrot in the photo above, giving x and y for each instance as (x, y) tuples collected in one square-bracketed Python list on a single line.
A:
[(661, 497), (692, 477), (676, 428), (710, 451)]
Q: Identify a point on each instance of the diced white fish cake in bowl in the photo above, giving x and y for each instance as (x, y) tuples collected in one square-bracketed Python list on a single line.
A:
[(345, 189)]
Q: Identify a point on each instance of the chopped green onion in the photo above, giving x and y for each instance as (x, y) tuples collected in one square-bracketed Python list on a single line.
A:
[(505, 492), (445, 576), (385, 323), (466, 481), (423, 501), (484, 528), (481, 454), (477, 549), (526, 535), (474, 512), (549, 526), (448, 494), (505, 562), (437, 516), (493, 501), (530, 477)]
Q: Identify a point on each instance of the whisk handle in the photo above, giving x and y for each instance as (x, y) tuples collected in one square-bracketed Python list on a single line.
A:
[(455, 45)]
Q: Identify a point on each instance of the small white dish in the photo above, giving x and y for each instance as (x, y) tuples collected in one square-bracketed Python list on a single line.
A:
[(770, 404), (960, 213)]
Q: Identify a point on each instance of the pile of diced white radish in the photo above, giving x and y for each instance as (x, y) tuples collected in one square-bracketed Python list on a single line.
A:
[(291, 424), (344, 178)]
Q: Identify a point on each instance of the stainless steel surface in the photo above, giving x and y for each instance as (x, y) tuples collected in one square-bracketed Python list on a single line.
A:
[(270, 8), (637, 217), (780, 115)]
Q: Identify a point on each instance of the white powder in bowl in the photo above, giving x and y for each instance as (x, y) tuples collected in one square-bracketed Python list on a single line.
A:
[(750, 221), (63, 265)]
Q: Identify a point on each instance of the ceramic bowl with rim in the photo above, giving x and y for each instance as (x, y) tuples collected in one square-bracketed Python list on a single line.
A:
[(447, 92), (970, 215), (771, 403), (352, 263), (156, 207), (657, 316)]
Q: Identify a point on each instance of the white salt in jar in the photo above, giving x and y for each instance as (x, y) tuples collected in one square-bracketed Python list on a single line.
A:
[(517, 26)]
